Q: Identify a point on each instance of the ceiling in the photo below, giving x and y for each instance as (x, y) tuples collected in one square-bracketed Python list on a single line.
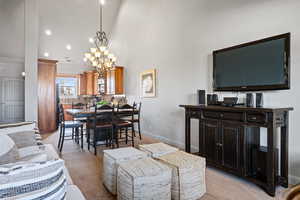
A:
[(72, 22)]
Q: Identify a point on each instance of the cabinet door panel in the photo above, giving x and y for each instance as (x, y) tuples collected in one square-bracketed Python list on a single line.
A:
[(231, 142), (210, 130), (90, 83), (119, 87)]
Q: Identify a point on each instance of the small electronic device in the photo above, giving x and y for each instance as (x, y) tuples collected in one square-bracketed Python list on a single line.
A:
[(230, 101), (201, 97)]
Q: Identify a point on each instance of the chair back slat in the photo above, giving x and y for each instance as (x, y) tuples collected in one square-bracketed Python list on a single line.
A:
[(125, 110), (138, 107), (61, 114), (104, 113), (78, 105)]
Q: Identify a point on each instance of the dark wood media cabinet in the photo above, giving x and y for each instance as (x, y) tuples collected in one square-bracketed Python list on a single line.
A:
[(228, 135)]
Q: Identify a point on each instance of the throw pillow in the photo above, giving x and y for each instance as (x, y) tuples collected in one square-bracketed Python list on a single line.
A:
[(23, 138), (33, 181), (8, 150)]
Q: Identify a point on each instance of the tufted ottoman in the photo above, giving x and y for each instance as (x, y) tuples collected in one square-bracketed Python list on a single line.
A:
[(188, 175), (144, 179), (111, 161), (158, 149)]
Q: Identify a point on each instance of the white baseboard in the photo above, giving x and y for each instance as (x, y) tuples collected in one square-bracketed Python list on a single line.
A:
[(166, 140), (292, 179)]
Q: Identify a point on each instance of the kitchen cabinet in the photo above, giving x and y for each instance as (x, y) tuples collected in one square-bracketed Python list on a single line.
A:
[(112, 83), (115, 81)]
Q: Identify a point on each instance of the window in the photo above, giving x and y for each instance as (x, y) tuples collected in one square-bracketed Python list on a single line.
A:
[(67, 87)]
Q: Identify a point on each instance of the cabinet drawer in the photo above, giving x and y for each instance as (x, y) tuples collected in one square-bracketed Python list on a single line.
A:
[(194, 113), (234, 116), (212, 114), (256, 118)]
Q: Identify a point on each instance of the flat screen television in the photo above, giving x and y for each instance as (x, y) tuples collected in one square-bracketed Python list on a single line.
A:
[(259, 65)]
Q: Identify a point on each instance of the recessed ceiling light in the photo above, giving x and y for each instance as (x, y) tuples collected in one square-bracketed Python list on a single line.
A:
[(91, 40), (46, 54), (102, 2), (48, 32), (69, 47)]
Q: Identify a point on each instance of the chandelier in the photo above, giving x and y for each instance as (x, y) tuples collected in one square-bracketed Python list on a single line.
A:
[(99, 56)]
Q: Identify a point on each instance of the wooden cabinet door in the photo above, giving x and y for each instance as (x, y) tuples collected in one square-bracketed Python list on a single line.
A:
[(232, 138), (119, 79), (82, 84), (90, 83), (114, 81), (96, 87), (211, 136)]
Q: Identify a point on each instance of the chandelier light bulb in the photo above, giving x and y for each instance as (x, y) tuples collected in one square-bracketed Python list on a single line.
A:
[(93, 50), (102, 48), (110, 56), (114, 59), (88, 55), (98, 54), (94, 63), (106, 52), (85, 59)]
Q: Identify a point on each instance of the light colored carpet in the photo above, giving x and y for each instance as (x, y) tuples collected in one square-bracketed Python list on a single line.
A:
[(86, 172)]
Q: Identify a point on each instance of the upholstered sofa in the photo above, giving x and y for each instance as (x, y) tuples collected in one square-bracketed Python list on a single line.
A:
[(30, 169)]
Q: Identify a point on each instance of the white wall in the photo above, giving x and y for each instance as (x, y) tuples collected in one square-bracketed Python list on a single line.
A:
[(10, 67), (11, 38), (12, 28), (70, 68), (177, 38), (31, 59)]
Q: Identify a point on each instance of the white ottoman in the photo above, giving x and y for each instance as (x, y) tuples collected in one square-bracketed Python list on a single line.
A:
[(188, 175), (111, 161), (157, 149), (144, 179)]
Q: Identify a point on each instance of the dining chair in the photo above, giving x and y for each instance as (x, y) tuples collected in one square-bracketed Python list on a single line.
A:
[(137, 117), (124, 118), (74, 125), (102, 127), (79, 106)]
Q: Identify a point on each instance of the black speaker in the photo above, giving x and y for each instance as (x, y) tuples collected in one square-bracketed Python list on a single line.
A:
[(259, 100), (209, 99), (201, 97), (215, 99), (249, 100)]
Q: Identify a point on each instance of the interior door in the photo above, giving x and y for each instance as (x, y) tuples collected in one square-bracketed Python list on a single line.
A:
[(11, 100)]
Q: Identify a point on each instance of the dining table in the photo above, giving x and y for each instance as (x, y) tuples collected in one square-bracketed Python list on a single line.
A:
[(89, 112)]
